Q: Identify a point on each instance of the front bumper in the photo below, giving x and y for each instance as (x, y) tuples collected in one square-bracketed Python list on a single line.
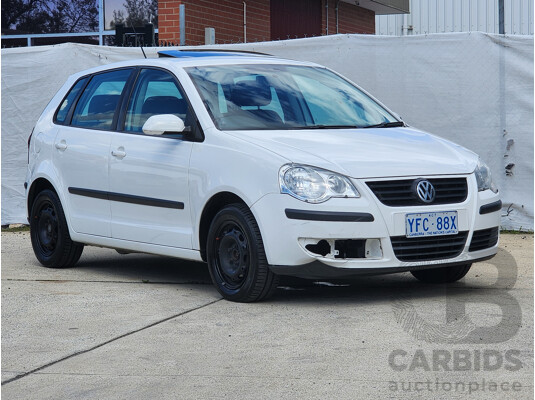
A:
[(285, 237)]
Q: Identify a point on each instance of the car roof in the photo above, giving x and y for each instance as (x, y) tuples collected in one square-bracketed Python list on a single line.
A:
[(197, 60)]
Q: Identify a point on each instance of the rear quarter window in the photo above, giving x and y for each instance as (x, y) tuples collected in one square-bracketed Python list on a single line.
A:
[(63, 110)]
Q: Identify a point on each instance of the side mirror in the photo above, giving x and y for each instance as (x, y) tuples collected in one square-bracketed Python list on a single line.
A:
[(163, 123)]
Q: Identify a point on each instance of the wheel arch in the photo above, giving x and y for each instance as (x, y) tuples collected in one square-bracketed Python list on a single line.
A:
[(37, 186), (217, 202)]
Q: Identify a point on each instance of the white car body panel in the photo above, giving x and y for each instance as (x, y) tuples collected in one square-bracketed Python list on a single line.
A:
[(355, 153), (83, 166), (154, 167)]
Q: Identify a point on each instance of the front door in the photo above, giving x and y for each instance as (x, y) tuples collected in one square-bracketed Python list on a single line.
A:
[(149, 174)]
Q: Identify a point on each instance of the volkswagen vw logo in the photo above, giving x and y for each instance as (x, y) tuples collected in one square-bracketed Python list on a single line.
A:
[(425, 191)]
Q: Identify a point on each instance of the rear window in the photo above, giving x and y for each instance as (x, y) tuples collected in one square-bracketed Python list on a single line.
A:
[(98, 103)]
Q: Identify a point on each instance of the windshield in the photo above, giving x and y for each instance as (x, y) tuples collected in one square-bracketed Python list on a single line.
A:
[(252, 97)]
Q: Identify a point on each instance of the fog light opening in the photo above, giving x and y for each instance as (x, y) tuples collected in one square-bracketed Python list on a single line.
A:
[(321, 248), (349, 248)]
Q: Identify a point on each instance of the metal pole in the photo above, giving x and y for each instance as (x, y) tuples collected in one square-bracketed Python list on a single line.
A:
[(501, 18), (337, 3), (244, 22), (100, 21), (29, 41), (327, 17), (182, 24)]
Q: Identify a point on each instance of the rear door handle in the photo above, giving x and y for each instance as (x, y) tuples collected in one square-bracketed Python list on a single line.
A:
[(61, 145), (119, 153)]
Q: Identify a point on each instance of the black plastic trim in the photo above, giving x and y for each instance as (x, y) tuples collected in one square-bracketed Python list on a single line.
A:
[(484, 239), (332, 216), (319, 270), (127, 198), (402, 193), (490, 208), (428, 248), (125, 98)]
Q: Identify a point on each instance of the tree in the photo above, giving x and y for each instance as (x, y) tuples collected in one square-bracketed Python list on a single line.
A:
[(138, 13), (49, 16), (14, 10), (118, 18), (76, 16)]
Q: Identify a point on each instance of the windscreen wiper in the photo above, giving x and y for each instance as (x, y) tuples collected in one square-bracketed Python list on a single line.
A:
[(386, 125), (328, 127)]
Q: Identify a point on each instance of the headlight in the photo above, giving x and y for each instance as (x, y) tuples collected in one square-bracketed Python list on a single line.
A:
[(484, 178), (314, 185)]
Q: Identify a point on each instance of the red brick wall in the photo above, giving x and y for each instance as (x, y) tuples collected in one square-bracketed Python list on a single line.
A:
[(168, 19), (226, 16), (351, 18)]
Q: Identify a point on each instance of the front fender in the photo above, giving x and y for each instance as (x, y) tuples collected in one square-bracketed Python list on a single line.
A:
[(223, 163)]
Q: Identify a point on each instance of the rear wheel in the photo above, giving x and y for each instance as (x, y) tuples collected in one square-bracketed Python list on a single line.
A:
[(236, 257), (442, 275), (49, 233)]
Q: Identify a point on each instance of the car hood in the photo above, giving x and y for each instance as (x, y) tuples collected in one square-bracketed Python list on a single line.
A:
[(367, 153)]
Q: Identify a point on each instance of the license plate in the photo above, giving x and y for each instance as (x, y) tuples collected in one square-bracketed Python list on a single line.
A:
[(431, 224)]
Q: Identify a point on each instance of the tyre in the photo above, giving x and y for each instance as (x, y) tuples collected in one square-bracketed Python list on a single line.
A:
[(236, 257), (442, 275), (49, 233)]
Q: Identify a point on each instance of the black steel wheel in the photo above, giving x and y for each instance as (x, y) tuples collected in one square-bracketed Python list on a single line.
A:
[(49, 233), (442, 275), (236, 257)]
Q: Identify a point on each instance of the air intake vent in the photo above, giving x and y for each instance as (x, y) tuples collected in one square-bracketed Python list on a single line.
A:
[(428, 248), (484, 239)]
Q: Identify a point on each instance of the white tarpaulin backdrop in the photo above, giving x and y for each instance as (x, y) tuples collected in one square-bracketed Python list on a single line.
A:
[(472, 88)]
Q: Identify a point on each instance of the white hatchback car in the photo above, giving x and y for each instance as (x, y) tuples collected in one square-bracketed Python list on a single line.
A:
[(258, 165)]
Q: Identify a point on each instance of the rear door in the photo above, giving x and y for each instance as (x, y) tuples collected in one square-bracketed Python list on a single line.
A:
[(149, 190), (82, 148)]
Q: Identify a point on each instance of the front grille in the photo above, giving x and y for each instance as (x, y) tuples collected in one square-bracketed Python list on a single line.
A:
[(484, 239), (428, 248), (400, 193)]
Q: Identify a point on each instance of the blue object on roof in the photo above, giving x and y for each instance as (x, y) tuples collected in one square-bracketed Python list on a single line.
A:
[(208, 53)]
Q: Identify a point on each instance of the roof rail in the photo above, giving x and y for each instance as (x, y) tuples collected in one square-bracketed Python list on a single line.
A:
[(207, 53)]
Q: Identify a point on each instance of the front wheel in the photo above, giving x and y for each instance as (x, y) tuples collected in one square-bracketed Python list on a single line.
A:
[(236, 257), (49, 233), (442, 275)]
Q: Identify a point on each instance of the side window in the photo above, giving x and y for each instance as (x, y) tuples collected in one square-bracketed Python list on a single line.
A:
[(155, 92), (97, 105), (66, 104)]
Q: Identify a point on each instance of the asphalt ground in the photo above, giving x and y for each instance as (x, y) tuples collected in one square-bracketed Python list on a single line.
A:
[(146, 327)]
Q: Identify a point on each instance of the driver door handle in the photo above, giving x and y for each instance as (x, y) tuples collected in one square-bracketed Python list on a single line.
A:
[(119, 153)]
